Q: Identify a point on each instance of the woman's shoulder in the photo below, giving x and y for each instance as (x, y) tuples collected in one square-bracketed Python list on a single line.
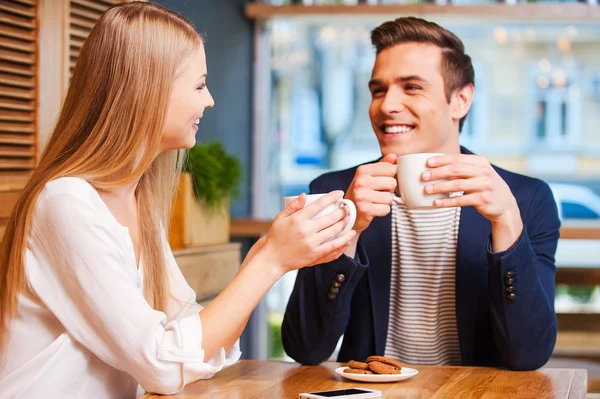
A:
[(65, 187), (70, 196), (70, 203)]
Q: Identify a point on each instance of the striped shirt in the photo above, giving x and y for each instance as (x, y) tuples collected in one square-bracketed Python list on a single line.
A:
[(422, 325)]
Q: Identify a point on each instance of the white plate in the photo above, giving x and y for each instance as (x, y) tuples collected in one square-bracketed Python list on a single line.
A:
[(405, 373)]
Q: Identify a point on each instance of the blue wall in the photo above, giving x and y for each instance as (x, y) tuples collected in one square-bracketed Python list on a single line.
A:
[(228, 43)]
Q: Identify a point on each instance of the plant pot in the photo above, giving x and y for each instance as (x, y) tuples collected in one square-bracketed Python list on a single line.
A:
[(193, 224)]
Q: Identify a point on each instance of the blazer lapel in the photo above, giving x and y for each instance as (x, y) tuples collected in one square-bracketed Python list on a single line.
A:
[(379, 236)]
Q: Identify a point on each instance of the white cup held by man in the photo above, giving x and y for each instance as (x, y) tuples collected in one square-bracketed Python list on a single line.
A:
[(411, 187), (310, 198)]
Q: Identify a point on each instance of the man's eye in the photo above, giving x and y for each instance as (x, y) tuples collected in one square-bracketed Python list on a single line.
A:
[(412, 87)]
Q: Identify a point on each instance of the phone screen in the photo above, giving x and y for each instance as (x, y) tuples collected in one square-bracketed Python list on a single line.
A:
[(340, 392)]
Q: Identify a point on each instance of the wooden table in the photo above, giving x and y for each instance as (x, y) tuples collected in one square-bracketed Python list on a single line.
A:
[(272, 380)]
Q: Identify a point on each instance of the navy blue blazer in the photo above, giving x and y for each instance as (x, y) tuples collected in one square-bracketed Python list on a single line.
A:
[(493, 330)]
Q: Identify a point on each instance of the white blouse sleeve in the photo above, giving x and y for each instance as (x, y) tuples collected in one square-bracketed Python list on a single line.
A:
[(83, 276), (182, 303)]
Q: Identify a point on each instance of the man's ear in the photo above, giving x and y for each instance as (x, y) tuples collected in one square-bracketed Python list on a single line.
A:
[(461, 101)]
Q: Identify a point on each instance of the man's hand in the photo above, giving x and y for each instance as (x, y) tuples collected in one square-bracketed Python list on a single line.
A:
[(372, 190), (483, 189)]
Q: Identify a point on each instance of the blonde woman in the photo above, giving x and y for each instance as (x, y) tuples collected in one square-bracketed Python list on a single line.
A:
[(91, 300)]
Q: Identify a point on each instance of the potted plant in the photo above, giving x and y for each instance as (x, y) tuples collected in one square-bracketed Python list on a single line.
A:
[(211, 176)]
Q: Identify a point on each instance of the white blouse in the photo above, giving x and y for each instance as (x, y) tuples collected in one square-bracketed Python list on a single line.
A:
[(84, 329)]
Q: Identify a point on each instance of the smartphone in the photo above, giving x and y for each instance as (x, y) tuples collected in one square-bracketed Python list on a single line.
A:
[(351, 393)]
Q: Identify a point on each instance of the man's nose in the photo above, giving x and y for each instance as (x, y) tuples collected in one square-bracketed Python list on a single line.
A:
[(393, 102)]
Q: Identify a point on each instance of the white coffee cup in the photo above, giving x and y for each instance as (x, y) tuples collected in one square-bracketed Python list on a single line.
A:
[(332, 207), (412, 188)]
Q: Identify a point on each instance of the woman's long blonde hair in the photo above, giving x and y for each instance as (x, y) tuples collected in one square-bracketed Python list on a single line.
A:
[(108, 132)]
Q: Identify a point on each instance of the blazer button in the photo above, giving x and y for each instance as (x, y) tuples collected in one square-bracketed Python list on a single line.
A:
[(332, 297), (511, 296), (509, 281), (334, 290), (510, 289), (508, 275), (336, 284), (340, 278)]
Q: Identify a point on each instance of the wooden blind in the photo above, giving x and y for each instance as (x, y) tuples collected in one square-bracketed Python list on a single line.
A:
[(83, 16), (18, 97)]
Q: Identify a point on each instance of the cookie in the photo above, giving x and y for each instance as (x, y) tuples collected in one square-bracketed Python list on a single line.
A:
[(357, 371), (353, 364), (382, 368), (385, 360)]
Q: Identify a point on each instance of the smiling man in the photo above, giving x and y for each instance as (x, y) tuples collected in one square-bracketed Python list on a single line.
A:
[(468, 283)]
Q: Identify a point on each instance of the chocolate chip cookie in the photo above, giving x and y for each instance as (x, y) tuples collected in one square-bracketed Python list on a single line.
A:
[(353, 364), (385, 360), (383, 368)]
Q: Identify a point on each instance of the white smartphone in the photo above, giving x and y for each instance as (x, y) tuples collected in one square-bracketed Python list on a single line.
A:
[(350, 393)]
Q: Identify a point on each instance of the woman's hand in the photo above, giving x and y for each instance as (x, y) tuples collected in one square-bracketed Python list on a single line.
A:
[(296, 240)]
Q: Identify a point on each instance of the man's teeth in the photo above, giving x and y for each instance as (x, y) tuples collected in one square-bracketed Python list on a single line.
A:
[(197, 122), (398, 129)]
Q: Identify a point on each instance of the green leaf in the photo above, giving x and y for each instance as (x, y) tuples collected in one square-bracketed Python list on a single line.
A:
[(216, 173)]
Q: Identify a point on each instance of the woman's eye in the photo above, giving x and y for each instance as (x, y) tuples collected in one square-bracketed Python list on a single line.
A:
[(202, 86)]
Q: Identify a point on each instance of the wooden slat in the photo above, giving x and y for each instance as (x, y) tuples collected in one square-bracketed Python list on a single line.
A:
[(18, 45), (79, 33), (7, 202), (76, 43), (578, 321), (16, 69), (15, 116), (19, 22), (15, 105), (74, 54), (580, 233), (3, 223), (519, 12), (10, 151), (26, 2), (20, 128), (17, 93), (82, 22), (17, 9), (254, 228), (14, 181), (16, 139), (17, 57), (16, 81), (92, 5), (582, 276), (16, 164), (92, 16), (209, 269), (17, 33)]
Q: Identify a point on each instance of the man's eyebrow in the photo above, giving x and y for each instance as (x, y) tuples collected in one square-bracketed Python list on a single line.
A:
[(375, 82), (401, 79), (411, 78)]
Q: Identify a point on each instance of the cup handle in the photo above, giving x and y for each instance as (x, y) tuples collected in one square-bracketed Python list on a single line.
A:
[(352, 216)]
